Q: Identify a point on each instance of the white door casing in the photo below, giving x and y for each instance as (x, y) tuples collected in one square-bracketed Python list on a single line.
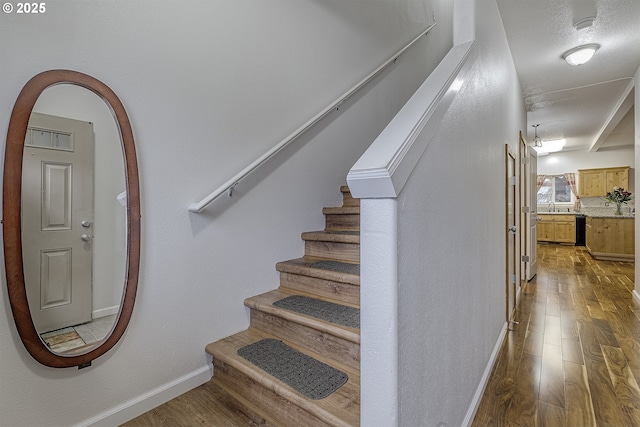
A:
[(532, 229), (57, 221), (523, 207), (511, 201)]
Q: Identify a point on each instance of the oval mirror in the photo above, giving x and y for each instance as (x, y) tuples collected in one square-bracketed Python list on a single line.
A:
[(71, 216)]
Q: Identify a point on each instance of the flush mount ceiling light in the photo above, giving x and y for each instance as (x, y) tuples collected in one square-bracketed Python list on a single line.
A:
[(550, 146), (553, 145), (581, 54)]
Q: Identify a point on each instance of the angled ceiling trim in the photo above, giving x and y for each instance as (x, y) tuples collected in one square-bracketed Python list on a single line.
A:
[(623, 106)]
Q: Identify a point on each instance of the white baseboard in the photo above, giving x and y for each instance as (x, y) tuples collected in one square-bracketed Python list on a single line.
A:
[(636, 296), (149, 400), (471, 412), (102, 312)]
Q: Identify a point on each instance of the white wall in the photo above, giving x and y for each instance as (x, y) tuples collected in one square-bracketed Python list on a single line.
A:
[(209, 86), (451, 246)]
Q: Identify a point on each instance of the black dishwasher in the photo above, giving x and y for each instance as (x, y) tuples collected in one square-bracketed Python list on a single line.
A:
[(581, 227)]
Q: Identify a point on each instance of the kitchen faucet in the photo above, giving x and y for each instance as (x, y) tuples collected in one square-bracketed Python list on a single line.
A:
[(554, 207)]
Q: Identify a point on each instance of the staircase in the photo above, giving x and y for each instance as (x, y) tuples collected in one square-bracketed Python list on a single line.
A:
[(328, 271)]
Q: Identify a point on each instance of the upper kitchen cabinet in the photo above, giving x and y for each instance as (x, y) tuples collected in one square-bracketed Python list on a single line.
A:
[(597, 182)]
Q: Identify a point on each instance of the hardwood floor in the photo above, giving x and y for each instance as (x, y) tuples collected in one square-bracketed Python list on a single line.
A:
[(574, 358)]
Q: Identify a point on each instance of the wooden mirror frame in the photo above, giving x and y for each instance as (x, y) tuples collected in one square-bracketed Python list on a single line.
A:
[(11, 210)]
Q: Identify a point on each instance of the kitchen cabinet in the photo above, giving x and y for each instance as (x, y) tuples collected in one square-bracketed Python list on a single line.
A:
[(556, 228), (597, 182), (611, 238)]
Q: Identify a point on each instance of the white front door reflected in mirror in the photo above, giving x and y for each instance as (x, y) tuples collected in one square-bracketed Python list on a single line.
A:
[(57, 196)]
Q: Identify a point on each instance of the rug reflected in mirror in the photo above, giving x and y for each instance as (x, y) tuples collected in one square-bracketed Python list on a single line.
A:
[(75, 339)]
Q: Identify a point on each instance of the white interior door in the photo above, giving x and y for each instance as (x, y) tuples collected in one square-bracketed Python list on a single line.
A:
[(532, 230), (57, 221), (512, 234)]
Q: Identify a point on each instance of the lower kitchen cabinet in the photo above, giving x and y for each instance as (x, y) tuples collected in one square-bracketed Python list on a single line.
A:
[(556, 228), (611, 238)]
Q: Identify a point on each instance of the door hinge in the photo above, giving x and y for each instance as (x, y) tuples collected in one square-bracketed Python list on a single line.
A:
[(526, 160), (526, 258), (513, 180), (513, 279), (526, 209)]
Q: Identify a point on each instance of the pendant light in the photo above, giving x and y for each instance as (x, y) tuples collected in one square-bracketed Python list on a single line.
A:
[(537, 142)]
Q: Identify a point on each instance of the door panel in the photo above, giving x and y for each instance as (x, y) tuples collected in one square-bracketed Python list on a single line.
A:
[(56, 186), (55, 278)]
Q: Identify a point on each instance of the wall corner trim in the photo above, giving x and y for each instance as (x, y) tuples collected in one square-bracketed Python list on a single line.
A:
[(384, 168)]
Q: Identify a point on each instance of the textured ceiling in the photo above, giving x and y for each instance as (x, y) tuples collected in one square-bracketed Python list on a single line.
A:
[(587, 105)]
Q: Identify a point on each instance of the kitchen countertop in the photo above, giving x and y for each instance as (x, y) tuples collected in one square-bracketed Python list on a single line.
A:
[(560, 213), (599, 215), (612, 216)]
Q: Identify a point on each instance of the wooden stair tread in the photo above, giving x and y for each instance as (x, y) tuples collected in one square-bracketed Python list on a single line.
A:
[(332, 236), (341, 408), (264, 303), (302, 266), (341, 210)]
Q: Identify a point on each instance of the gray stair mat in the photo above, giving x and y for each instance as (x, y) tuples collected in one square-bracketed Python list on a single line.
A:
[(309, 376), (341, 267), (328, 311)]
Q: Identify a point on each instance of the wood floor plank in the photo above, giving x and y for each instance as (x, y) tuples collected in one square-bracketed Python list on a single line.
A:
[(572, 352), (552, 376), (631, 349), (604, 333), (523, 408), (569, 325), (553, 305), (579, 407), (624, 383), (553, 331), (551, 415), (603, 394), (534, 343)]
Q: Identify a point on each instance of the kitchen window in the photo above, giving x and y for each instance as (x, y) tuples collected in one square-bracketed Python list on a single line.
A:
[(556, 189)]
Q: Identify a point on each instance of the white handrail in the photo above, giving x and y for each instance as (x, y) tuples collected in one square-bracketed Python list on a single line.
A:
[(231, 183)]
